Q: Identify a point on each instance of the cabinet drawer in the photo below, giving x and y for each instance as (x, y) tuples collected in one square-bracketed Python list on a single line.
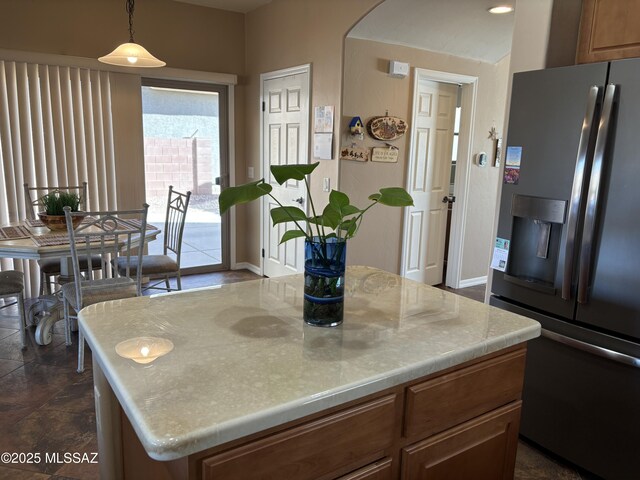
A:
[(484, 448), (448, 400), (380, 470), (353, 437)]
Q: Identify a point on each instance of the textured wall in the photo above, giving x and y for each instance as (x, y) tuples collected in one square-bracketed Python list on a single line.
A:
[(370, 91)]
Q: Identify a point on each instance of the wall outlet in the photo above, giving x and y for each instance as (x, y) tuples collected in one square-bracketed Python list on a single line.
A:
[(250, 172), (326, 184)]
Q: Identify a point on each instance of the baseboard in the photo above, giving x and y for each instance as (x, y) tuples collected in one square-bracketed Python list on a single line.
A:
[(248, 266), (472, 282)]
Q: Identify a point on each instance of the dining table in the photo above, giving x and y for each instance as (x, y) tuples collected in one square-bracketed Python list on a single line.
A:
[(31, 240)]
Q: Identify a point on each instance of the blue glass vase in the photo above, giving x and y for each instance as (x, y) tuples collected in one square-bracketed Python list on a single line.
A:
[(324, 265)]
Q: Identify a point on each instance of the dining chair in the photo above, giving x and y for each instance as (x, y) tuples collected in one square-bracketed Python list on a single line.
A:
[(167, 264), (12, 286), (50, 267), (110, 235)]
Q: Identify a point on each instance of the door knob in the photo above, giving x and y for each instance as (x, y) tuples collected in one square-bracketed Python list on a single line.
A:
[(449, 199), (299, 200)]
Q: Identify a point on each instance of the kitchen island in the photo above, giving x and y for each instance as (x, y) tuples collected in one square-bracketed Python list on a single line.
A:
[(416, 378)]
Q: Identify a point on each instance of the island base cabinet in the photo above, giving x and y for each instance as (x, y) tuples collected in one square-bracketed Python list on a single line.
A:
[(459, 423), (482, 449)]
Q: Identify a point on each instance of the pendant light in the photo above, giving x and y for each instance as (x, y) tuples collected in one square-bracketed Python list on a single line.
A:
[(131, 54)]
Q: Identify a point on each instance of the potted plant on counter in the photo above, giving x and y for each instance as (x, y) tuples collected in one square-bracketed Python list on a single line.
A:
[(52, 215), (325, 233)]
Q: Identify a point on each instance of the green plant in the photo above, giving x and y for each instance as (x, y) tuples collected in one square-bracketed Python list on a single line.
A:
[(54, 202), (339, 219)]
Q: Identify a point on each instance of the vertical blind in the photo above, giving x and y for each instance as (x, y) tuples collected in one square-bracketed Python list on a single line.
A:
[(56, 129)]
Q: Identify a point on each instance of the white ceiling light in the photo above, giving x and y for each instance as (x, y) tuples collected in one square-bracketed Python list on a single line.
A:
[(131, 54), (501, 9)]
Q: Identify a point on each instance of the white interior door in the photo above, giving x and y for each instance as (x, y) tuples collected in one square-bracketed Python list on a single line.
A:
[(285, 141), (431, 145)]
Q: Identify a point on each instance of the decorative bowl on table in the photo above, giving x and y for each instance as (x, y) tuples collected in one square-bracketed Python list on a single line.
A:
[(58, 222)]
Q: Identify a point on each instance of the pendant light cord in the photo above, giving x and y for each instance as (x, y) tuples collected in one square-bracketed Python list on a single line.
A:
[(130, 5)]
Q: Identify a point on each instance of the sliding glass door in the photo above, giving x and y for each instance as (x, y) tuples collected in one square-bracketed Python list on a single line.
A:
[(185, 145)]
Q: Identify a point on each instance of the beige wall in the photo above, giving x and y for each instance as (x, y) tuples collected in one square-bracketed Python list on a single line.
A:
[(282, 34), (370, 91), (183, 35)]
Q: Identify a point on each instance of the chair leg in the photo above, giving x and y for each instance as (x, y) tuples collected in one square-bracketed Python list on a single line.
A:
[(167, 283), (67, 322), (23, 320), (178, 281), (80, 351)]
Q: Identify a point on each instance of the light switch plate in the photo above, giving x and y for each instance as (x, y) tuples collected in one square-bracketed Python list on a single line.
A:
[(249, 172), (326, 184)]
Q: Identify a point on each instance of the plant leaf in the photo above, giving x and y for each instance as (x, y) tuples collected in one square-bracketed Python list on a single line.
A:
[(331, 216), (394, 197), (350, 210), (297, 171), (248, 192), (287, 214), (374, 196), (350, 226), (338, 199), (291, 234)]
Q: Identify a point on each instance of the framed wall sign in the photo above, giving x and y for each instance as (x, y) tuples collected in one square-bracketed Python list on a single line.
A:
[(386, 128), (385, 154), (354, 153)]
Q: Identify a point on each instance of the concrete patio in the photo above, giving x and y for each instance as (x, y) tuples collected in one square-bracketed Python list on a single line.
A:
[(202, 240)]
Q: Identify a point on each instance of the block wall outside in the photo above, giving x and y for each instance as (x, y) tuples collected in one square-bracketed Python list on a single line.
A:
[(185, 163)]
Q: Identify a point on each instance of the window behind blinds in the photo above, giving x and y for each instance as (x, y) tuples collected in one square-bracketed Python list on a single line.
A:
[(56, 128)]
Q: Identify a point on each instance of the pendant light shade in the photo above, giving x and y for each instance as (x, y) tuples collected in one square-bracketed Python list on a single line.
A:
[(131, 54)]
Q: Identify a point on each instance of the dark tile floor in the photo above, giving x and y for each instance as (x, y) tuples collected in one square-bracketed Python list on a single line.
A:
[(47, 408)]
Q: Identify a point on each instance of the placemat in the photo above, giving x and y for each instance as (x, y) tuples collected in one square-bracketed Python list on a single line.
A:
[(14, 233), (129, 224), (52, 239)]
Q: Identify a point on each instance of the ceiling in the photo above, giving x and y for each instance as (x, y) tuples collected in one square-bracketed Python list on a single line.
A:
[(462, 28), (242, 6)]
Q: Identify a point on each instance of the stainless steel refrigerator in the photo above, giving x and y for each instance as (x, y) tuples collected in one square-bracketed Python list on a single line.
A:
[(570, 210)]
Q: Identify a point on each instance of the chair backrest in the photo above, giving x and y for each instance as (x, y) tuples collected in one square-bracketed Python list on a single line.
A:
[(110, 235), (33, 196), (177, 205)]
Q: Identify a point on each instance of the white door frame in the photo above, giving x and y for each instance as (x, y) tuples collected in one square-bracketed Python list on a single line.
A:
[(463, 171), (285, 72)]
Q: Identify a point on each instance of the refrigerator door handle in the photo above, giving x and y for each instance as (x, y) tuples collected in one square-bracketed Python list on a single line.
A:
[(593, 98), (593, 349), (586, 250)]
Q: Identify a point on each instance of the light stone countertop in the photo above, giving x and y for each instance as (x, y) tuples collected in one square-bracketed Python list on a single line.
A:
[(244, 361)]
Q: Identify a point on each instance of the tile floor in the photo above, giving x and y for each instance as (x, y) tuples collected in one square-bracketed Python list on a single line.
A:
[(46, 407)]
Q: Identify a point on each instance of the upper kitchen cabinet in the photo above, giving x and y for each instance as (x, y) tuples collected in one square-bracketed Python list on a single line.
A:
[(609, 30)]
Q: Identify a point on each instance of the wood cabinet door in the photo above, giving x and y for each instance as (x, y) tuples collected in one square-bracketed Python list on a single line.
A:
[(482, 449), (608, 30)]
